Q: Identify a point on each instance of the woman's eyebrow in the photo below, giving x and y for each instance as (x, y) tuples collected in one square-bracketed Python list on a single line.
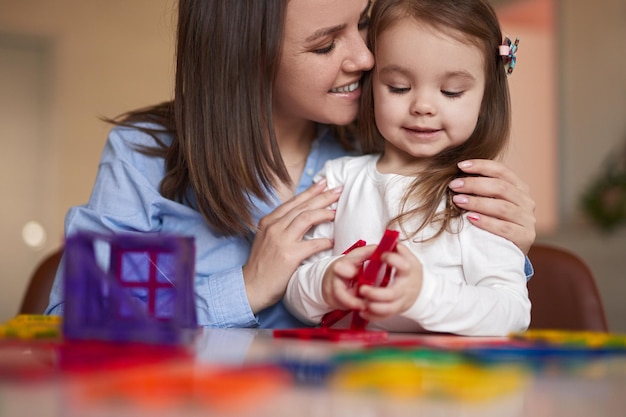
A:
[(325, 31)]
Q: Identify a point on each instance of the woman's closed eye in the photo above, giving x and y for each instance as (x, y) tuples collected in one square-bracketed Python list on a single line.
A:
[(325, 50), (364, 24)]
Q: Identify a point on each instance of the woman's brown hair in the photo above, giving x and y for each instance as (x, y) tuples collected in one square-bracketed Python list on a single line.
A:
[(224, 149), (469, 21)]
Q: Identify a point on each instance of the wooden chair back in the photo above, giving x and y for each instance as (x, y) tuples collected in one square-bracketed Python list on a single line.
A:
[(37, 293), (563, 291)]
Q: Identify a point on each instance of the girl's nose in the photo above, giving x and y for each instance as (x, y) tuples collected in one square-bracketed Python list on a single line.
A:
[(423, 104)]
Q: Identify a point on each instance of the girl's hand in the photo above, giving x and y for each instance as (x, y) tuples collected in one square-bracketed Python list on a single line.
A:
[(337, 286), (384, 302), (278, 247), (497, 201)]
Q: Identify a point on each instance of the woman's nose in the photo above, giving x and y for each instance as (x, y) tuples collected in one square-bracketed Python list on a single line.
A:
[(360, 57)]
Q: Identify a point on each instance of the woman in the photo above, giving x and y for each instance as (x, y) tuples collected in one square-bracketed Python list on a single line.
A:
[(230, 161)]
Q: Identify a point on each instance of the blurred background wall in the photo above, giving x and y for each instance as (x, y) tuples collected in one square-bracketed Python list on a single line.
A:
[(65, 63)]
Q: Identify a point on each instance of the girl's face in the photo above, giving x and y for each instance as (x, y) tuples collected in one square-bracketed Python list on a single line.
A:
[(324, 55), (428, 88)]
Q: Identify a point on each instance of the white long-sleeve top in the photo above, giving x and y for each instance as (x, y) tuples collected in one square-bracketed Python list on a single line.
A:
[(473, 281)]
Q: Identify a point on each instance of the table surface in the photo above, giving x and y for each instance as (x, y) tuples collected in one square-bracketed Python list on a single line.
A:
[(226, 372)]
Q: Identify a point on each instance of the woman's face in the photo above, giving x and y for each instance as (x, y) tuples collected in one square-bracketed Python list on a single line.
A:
[(324, 55)]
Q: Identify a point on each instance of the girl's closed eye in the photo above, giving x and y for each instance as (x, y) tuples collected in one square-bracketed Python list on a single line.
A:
[(452, 94), (398, 90)]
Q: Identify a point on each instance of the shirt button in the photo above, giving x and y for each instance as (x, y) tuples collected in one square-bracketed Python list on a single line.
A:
[(310, 172)]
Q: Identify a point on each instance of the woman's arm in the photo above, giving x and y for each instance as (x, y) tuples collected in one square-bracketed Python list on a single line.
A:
[(497, 201)]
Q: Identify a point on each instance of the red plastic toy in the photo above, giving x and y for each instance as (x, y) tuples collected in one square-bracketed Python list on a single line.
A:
[(375, 272), (371, 275)]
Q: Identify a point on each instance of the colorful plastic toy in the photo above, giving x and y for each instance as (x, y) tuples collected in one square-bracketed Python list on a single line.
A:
[(129, 288), (223, 391), (31, 327), (410, 378)]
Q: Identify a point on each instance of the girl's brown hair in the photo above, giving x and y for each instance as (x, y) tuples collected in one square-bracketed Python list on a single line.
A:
[(470, 21), (224, 148)]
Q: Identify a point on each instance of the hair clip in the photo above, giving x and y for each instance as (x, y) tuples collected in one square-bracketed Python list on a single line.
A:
[(508, 52)]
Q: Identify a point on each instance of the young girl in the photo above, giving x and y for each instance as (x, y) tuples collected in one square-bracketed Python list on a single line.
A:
[(437, 95)]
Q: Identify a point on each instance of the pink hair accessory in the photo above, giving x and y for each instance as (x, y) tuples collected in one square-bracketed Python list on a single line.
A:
[(508, 52)]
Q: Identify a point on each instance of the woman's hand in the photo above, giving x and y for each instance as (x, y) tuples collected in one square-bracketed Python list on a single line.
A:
[(278, 247), (497, 201)]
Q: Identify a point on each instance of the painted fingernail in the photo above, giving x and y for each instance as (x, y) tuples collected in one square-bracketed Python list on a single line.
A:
[(321, 183), (473, 216), (460, 199), (338, 190), (457, 183), (465, 164)]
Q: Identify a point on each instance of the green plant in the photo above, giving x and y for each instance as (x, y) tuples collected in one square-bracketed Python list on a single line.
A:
[(604, 202)]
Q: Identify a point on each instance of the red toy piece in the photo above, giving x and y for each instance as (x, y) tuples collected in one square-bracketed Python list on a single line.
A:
[(333, 335), (368, 276)]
